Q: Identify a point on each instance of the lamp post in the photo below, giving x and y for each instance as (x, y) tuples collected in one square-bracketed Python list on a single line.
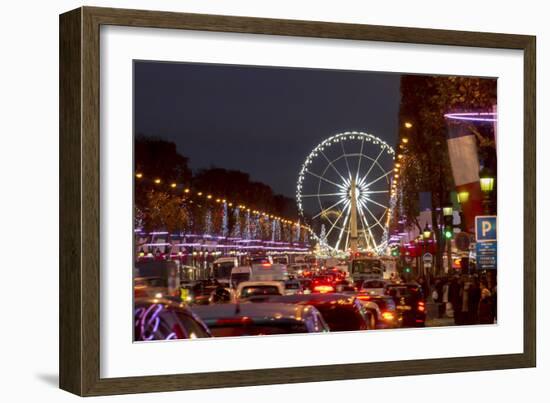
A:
[(448, 233), (427, 234), (487, 183)]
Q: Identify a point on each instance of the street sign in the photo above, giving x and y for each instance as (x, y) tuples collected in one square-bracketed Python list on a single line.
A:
[(427, 258), (486, 228), (486, 255)]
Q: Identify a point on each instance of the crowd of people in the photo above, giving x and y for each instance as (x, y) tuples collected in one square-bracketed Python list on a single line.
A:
[(469, 299)]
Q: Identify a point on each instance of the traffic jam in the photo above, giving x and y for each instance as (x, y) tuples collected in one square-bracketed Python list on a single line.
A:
[(271, 295)]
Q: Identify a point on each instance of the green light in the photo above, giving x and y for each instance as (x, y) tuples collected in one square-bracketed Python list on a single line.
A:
[(448, 234), (407, 269)]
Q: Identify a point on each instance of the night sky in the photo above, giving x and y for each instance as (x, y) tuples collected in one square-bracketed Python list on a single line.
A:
[(260, 120)]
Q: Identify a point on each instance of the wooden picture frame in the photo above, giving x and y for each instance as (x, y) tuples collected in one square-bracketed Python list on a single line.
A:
[(80, 184)]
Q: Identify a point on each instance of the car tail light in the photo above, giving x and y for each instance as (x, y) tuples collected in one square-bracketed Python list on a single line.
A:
[(323, 288), (388, 316), (266, 264), (364, 297)]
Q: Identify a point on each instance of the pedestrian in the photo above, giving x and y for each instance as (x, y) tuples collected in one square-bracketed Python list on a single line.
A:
[(474, 296), (464, 305), (485, 310), (424, 287), (454, 299)]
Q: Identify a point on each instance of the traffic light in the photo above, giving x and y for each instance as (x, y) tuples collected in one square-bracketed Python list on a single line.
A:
[(395, 251), (407, 269), (448, 227)]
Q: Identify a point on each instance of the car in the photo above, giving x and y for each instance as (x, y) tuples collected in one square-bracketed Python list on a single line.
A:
[(341, 312), (154, 287), (321, 284), (383, 308), (163, 319), (256, 290), (374, 287), (410, 302), (249, 319), (345, 287), (293, 287)]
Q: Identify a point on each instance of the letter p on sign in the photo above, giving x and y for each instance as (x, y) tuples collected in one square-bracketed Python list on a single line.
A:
[(486, 228)]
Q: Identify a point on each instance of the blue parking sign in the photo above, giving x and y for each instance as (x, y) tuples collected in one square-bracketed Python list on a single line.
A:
[(486, 228)]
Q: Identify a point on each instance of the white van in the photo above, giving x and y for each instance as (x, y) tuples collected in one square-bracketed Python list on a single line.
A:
[(258, 272)]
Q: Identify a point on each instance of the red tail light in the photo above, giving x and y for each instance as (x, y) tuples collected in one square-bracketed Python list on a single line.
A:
[(266, 264), (323, 288)]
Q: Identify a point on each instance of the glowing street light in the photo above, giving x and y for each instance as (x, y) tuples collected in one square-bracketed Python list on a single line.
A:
[(427, 233)]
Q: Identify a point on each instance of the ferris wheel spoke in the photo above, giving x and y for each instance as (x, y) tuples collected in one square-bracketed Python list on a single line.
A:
[(330, 163), (369, 229), (379, 178), (375, 202), (364, 231), (324, 179), (360, 158), (377, 191), (329, 208), (375, 162), (377, 220), (346, 207), (324, 194), (346, 158), (342, 230), (347, 241)]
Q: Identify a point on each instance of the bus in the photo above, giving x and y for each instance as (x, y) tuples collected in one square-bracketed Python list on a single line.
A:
[(366, 268), (221, 270)]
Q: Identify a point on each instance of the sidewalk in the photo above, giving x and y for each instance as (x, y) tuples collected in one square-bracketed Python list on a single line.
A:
[(433, 319)]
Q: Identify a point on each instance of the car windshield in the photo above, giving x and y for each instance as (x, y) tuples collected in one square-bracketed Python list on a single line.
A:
[(366, 266), (384, 304), (237, 278), (373, 284), (223, 270), (406, 291), (259, 260), (152, 282), (259, 290), (342, 317), (292, 286)]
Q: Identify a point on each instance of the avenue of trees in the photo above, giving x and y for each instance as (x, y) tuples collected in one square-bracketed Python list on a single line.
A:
[(162, 175), (425, 160)]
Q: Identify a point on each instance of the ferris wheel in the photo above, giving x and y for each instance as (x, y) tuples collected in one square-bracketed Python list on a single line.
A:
[(343, 189)]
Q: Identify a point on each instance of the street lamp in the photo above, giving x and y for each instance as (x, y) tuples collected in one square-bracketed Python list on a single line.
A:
[(487, 183), (427, 232), (463, 197), (448, 233)]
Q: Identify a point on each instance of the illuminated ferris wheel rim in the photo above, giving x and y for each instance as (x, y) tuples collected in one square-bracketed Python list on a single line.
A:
[(361, 184)]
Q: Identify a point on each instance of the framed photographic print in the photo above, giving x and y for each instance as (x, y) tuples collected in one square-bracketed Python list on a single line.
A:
[(249, 201)]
